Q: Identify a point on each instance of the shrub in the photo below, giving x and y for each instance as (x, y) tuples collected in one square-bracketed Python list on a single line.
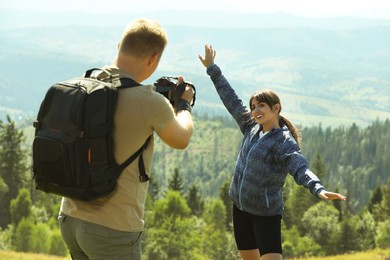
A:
[(57, 245), (383, 234)]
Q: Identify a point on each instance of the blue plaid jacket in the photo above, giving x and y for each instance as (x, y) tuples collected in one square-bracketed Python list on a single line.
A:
[(262, 164)]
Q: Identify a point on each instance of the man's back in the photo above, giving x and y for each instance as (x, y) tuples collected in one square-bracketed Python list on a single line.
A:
[(140, 111)]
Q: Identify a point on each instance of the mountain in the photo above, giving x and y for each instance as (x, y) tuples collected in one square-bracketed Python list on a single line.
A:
[(328, 71)]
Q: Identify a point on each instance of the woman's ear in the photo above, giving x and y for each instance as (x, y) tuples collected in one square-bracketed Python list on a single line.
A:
[(276, 108)]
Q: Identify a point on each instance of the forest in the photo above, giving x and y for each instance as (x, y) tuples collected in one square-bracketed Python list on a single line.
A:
[(188, 212)]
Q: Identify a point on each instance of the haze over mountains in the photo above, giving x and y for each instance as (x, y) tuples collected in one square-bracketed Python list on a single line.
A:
[(329, 71)]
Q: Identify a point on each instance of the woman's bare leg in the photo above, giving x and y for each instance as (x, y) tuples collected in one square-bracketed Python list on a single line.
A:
[(252, 254), (272, 256)]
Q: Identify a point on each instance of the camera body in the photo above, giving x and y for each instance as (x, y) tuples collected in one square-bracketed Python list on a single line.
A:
[(168, 87)]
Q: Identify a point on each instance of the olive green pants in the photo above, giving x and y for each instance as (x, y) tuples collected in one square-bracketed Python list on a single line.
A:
[(86, 240)]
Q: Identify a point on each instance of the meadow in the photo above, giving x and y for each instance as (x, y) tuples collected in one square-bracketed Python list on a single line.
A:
[(377, 254)]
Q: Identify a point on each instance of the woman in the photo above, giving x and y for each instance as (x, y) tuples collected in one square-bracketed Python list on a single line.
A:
[(269, 151)]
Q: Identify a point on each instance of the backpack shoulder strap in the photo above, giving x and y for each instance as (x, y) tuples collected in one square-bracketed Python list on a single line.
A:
[(119, 82), (127, 83), (143, 177)]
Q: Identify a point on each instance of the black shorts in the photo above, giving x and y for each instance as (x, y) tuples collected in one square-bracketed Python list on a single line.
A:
[(257, 232)]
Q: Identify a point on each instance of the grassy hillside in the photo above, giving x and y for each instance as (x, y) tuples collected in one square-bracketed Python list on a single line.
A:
[(11, 255), (372, 255), (333, 76)]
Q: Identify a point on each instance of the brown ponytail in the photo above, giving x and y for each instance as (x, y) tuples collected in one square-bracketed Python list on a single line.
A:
[(292, 128)]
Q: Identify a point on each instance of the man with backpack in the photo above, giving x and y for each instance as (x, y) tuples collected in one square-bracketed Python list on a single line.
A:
[(110, 227)]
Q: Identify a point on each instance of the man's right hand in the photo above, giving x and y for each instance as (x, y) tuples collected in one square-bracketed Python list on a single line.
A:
[(188, 93), (177, 133)]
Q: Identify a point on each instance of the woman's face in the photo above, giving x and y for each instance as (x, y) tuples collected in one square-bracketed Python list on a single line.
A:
[(263, 114)]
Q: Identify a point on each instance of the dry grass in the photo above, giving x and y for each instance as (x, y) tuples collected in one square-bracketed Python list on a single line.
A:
[(10, 255), (378, 254)]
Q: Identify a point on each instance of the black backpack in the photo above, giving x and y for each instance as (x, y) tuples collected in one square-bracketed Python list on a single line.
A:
[(73, 148)]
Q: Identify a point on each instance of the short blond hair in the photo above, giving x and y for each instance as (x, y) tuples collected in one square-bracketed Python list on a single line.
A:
[(142, 38)]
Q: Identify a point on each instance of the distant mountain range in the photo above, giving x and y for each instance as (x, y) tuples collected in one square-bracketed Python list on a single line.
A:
[(328, 71)]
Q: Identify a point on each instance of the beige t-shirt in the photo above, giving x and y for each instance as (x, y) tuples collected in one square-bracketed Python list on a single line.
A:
[(140, 112)]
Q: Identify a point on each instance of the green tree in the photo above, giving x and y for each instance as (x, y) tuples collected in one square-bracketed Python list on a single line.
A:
[(319, 168), (321, 225), (41, 239), (21, 206), (13, 166), (224, 196), (57, 245), (215, 214), (6, 238), (176, 182), (174, 239), (173, 206), (298, 203), (348, 239), (195, 201), (153, 193), (385, 204), (375, 198), (24, 235), (383, 234), (300, 199), (3, 188), (171, 235), (154, 188), (215, 240), (339, 206), (366, 231), (45, 204), (295, 245), (381, 211)]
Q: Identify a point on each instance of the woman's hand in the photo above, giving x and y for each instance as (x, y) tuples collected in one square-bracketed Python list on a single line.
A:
[(209, 55), (328, 195)]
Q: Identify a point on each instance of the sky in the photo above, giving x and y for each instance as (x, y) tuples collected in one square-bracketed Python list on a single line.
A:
[(309, 8)]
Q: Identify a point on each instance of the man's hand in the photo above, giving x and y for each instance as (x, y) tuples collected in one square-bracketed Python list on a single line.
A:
[(188, 93)]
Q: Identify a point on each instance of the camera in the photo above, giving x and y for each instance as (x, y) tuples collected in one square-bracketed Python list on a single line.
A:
[(168, 87)]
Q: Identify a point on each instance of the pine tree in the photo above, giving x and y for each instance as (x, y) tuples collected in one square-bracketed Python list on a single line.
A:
[(376, 198), (224, 196), (215, 240), (154, 188), (13, 166), (195, 201), (319, 168), (366, 231), (349, 236), (176, 182), (386, 200)]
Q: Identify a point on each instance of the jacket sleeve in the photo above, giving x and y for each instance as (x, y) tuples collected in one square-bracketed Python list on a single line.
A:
[(298, 167), (231, 101)]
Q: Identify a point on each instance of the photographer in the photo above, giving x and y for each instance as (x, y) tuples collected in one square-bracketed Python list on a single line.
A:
[(111, 227)]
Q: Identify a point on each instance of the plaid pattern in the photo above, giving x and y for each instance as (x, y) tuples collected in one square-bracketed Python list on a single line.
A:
[(262, 164)]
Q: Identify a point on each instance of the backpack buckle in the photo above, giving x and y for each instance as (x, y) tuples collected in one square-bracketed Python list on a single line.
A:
[(143, 178)]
